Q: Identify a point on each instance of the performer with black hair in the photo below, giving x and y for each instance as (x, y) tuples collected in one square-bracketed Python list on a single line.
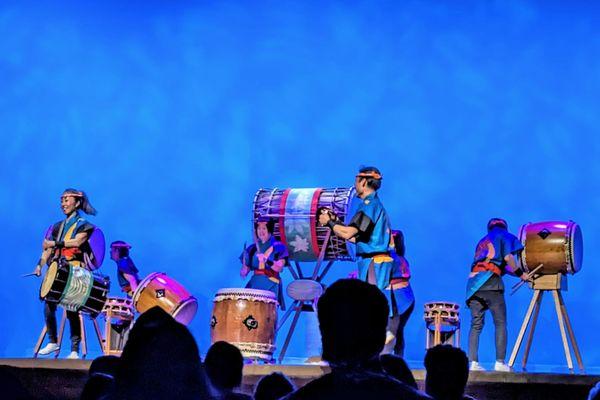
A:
[(127, 273), (266, 258), (369, 228), (67, 243), (494, 256)]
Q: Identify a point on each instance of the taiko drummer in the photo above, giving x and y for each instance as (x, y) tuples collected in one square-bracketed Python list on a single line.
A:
[(266, 263), (67, 242)]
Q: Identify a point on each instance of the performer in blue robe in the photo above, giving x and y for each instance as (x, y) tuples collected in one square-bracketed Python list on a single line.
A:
[(67, 242), (266, 263), (369, 228), (494, 256)]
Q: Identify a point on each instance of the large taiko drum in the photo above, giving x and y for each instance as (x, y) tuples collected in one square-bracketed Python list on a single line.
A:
[(157, 289), (295, 214), (555, 244), (245, 318), (75, 288)]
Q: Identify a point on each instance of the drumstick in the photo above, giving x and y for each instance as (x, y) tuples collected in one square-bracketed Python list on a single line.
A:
[(30, 274), (527, 278)]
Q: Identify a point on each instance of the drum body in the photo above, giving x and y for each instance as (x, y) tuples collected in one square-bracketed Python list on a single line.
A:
[(245, 318), (119, 314), (157, 289), (74, 288), (558, 245), (445, 314), (295, 214)]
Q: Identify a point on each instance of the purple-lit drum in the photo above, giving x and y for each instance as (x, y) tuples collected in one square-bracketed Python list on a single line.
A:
[(296, 224), (157, 289), (558, 245)]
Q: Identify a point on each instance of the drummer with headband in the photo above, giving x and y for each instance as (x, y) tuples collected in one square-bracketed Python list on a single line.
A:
[(369, 228), (494, 255), (127, 273), (266, 263), (67, 243)]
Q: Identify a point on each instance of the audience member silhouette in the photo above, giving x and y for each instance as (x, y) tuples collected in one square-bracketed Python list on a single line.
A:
[(353, 316), (101, 380), (396, 367), (223, 365), (272, 387), (595, 392), (447, 373), (160, 361)]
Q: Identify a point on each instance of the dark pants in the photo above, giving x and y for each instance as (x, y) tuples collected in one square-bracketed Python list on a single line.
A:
[(72, 316), (482, 301), (399, 346)]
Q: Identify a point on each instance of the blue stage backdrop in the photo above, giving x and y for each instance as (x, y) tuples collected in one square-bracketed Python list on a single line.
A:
[(170, 115)]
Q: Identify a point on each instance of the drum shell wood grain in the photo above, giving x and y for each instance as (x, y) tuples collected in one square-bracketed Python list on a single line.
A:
[(158, 289), (556, 244), (232, 317)]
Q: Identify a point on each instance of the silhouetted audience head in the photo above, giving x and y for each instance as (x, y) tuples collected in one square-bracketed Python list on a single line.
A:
[(101, 380), (595, 392), (223, 365), (160, 361), (272, 387), (396, 367), (353, 316), (447, 372)]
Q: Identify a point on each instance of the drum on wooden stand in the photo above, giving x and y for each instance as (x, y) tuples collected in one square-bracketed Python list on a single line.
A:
[(74, 288), (295, 214), (157, 289), (119, 314), (442, 320), (245, 318), (555, 244)]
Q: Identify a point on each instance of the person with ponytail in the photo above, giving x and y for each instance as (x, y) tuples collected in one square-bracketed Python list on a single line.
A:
[(67, 242)]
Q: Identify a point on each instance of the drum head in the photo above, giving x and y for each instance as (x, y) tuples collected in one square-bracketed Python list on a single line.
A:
[(98, 246), (48, 279), (576, 249)]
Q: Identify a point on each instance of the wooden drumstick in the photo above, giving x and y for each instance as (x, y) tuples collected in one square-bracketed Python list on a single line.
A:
[(528, 276)]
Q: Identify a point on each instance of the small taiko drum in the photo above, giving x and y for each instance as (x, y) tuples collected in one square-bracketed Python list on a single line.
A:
[(245, 318), (75, 288), (119, 314), (119, 307), (448, 314), (157, 289), (557, 245), (442, 320)]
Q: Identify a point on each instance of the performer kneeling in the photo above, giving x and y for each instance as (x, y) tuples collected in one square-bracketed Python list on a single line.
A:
[(68, 243), (485, 290), (400, 296), (266, 262)]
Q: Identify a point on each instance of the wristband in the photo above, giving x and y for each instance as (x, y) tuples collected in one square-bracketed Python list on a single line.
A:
[(332, 223), (59, 244), (518, 272)]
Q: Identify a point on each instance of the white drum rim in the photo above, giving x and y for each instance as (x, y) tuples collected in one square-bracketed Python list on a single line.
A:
[(47, 283), (142, 285), (182, 306)]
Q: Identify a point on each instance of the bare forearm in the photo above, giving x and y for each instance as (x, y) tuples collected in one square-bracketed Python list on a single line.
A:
[(345, 232)]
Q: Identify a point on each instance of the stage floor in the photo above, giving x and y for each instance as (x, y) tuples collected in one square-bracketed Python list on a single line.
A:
[(61, 378)]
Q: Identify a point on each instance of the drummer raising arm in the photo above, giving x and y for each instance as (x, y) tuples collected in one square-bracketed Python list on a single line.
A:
[(67, 243)]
